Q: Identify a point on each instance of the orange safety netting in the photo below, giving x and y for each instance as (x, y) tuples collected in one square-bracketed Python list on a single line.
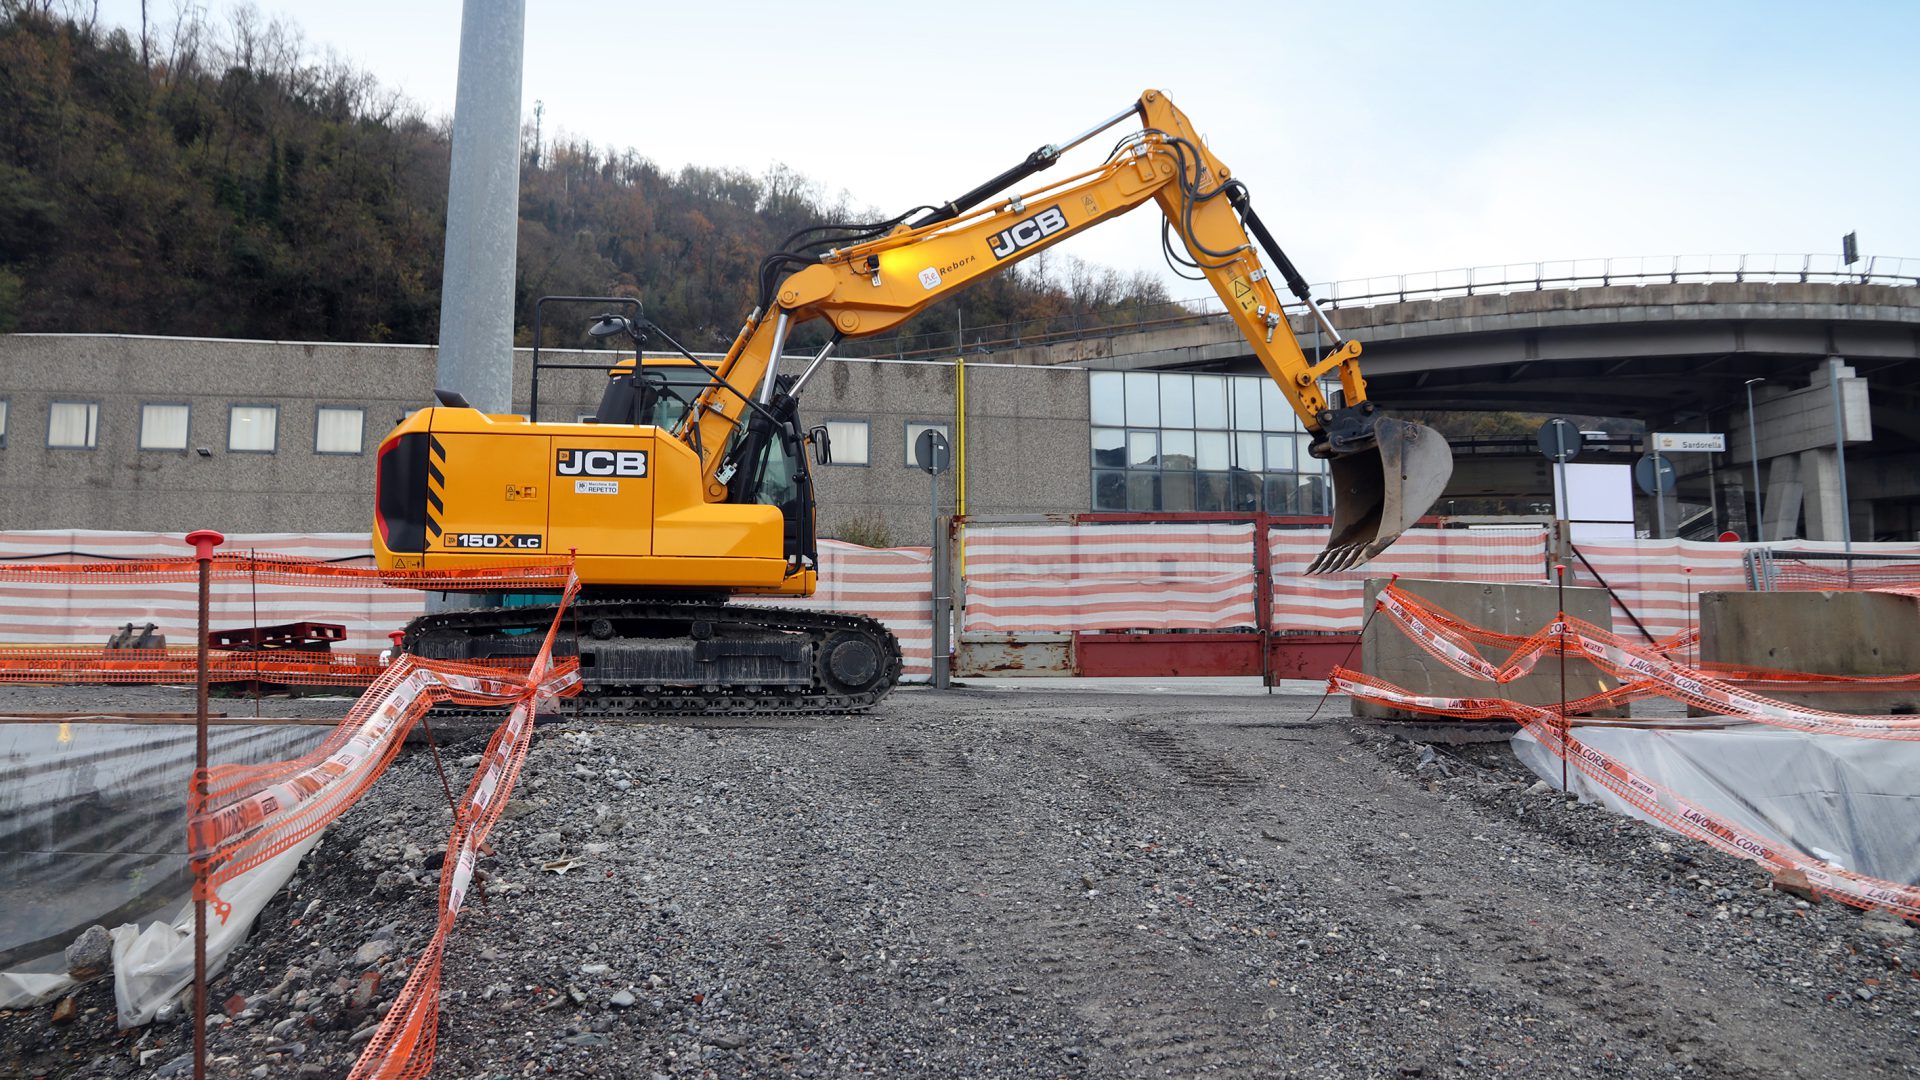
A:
[(1435, 630), (288, 570), (89, 664), (1438, 632), (250, 813), (403, 1046), (60, 614)]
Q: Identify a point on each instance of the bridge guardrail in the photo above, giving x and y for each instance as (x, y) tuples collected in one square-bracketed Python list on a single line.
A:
[(1778, 269)]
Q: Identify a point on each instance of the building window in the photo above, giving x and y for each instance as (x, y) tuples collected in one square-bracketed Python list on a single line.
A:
[(253, 428), (3, 423), (847, 440), (914, 428), (338, 429), (163, 427), (74, 425), (1165, 440)]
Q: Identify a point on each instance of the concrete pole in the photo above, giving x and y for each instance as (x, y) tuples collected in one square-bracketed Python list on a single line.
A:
[(483, 198), (1753, 448), (1840, 455)]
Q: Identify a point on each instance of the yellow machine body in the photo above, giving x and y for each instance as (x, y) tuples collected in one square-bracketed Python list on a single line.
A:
[(624, 502)]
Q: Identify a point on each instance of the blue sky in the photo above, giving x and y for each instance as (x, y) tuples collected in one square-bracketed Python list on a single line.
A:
[(1377, 139)]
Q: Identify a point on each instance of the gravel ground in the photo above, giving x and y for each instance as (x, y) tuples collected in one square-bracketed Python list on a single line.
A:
[(1034, 884)]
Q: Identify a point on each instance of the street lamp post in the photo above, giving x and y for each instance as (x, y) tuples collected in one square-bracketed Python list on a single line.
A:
[(1753, 449)]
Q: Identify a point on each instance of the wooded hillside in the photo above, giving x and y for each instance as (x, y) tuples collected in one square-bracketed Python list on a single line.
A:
[(224, 182)]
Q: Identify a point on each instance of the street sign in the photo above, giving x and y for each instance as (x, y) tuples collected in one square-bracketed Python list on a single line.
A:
[(1644, 474), (1558, 437), (1690, 442), (932, 452)]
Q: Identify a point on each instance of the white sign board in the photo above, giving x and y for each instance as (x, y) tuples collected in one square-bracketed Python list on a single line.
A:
[(1683, 442), (1599, 499)]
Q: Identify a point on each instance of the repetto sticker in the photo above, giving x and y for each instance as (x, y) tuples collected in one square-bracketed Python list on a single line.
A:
[(929, 278), (596, 487)]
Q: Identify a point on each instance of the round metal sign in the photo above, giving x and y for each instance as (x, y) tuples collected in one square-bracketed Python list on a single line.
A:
[(932, 452), (1643, 474), (1559, 439)]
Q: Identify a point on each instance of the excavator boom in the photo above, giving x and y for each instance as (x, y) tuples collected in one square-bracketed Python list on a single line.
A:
[(1386, 473)]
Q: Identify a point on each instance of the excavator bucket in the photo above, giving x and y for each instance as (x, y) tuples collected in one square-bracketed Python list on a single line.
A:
[(1381, 491)]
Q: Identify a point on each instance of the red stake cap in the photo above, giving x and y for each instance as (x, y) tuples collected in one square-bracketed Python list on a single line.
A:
[(203, 541), (396, 636)]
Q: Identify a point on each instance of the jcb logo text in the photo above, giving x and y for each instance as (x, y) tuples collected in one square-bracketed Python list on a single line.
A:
[(601, 463), (1027, 233)]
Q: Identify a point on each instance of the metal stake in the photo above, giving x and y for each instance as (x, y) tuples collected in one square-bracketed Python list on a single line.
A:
[(203, 542), (1566, 722)]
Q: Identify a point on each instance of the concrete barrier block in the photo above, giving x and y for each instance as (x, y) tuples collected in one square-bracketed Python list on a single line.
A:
[(1821, 633), (1386, 652)]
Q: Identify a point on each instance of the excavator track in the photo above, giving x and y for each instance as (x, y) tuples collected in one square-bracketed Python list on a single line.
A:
[(654, 658)]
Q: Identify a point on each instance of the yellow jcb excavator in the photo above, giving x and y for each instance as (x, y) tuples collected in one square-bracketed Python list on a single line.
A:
[(686, 492)]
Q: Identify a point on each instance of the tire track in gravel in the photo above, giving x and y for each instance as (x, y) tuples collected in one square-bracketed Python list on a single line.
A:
[(1145, 1002)]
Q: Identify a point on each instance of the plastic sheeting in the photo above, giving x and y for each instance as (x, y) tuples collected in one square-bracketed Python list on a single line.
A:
[(93, 830), (1851, 802)]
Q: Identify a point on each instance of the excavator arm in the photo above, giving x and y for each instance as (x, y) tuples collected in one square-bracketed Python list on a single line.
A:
[(1386, 472)]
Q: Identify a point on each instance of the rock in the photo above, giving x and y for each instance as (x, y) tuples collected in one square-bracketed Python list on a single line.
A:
[(1540, 787), (471, 761), (177, 1067), (362, 1035), (622, 1000), (515, 810), (371, 952), (587, 1038), (235, 1004), (1794, 883), (65, 1012), (1886, 925), (546, 843), (729, 1042), (91, 954), (392, 884), (365, 989), (596, 969)]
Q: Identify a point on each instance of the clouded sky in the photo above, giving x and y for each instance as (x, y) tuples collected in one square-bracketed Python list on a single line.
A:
[(1377, 139)]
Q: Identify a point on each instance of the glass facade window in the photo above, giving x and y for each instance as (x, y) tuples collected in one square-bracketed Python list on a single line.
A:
[(3, 423), (163, 427), (253, 428), (1186, 441), (847, 439), (337, 429), (73, 425)]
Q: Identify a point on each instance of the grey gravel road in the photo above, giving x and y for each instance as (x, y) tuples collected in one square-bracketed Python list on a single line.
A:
[(1015, 883)]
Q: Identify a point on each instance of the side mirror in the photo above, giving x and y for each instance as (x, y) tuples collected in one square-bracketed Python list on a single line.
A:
[(608, 324), (822, 445)]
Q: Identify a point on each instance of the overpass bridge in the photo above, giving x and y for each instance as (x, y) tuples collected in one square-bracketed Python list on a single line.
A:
[(1673, 342)]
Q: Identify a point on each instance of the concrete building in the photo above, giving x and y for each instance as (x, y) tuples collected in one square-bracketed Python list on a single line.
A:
[(121, 432), (118, 432)]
